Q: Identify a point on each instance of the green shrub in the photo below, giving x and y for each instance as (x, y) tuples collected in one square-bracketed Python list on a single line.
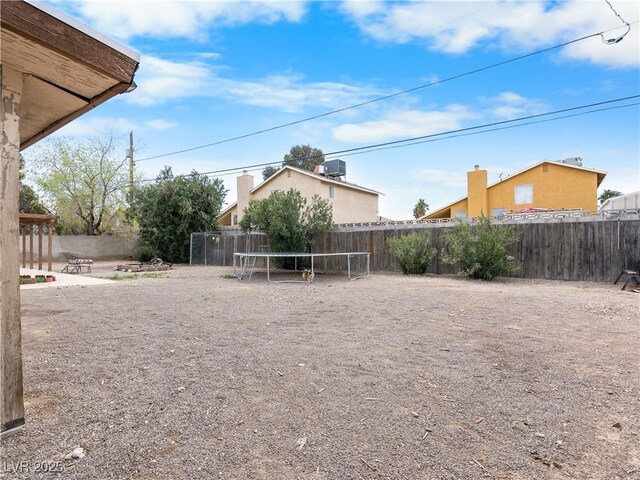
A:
[(481, 250), (414, 252), (144, 253)]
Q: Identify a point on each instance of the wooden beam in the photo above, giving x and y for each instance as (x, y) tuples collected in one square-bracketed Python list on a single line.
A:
[(36, 217), (31, 22), (11, 388)]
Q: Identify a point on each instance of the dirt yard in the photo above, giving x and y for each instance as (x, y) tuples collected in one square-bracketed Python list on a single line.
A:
[(196, 376)]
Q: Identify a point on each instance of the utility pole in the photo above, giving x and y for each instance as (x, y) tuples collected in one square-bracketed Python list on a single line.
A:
[(131, 169)]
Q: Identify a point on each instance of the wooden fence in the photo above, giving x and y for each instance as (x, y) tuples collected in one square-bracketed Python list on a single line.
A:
[(585, 249)]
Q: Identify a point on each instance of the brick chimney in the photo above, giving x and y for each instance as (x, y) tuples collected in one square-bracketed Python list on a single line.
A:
[(478, 198), (245, 185)]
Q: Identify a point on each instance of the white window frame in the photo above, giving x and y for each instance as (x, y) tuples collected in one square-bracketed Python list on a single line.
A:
[(524, 194), (462, 214), (332, 191)]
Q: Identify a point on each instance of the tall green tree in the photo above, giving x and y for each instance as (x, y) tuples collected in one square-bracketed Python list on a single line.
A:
[(421, 208), (304, 157), (289, 220), (84, 181), (607, 194), (170, 210)]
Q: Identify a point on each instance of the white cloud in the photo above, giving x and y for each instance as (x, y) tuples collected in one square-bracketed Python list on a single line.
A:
[(83, 127), (97, 126), (442, 178), (161, 19), (409, 123), (510, 97), (404, 124), (160, 124), (457, 27), (510, 105), (160, 81), (209, 55)]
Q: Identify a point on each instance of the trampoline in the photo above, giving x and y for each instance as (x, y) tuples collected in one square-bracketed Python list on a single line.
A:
[(247, 263)]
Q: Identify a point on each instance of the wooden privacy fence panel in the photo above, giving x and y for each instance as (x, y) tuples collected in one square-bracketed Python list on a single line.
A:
[(560, 249), (590, 250), (585, 249), (236, 241)]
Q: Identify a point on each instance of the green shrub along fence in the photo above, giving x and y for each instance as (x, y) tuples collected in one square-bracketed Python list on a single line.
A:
[(580, 249)]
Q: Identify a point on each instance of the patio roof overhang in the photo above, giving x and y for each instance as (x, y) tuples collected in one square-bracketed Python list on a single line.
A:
[(67, 68)]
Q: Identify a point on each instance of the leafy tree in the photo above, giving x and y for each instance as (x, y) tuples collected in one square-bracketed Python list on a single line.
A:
[(414, 251), (480, 251), (288, 220), (304, 157), (268, 171), (421, 208), (29, 200), (84, 181), (607, 194), (170, 210)]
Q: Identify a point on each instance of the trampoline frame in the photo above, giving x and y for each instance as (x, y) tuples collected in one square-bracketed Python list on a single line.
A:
[(246, 269)]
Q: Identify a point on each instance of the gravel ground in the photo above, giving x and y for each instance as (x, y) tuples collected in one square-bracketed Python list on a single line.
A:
[(194, 375)]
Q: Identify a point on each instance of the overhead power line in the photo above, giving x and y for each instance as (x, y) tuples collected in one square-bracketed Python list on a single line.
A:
[(378, 99), (610, 41), (437, 27), (467, 134), (476, 129), (237, 170)]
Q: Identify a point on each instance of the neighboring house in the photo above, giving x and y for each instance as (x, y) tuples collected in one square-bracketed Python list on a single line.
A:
[(52, 70), (564, 184), (629, 201), (351, 203)]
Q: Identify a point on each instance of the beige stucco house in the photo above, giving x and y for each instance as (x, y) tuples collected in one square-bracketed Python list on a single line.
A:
[(351, 203)]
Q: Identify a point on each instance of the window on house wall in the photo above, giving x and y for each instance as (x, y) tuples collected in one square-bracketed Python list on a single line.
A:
[(288, 173), (498, 212), (332, 192), (460, 214), (235, 220), (524, 194)]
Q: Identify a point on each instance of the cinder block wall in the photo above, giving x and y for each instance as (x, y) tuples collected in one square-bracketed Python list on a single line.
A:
[(102, 247)]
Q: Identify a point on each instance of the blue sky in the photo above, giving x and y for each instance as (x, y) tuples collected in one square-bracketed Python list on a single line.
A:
[(212, 70)]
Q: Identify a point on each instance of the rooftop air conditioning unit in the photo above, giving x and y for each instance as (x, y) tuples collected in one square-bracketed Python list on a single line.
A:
[(335, 168), (575, 161)]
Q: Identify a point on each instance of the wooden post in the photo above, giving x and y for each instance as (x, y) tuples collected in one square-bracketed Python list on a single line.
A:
[(11, 389), (40, 245), (131, 165), (31, 246), (24, 245), (50, 245)]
